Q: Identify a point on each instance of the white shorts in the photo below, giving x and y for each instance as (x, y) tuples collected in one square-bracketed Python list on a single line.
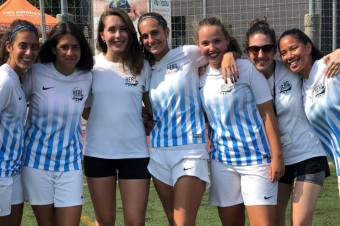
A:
[(42, 187), (169, 164), (11, 193), (232, 185)]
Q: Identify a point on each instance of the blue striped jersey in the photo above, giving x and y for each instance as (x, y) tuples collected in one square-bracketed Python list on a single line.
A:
[(53, 136), (236, 129), (321, 98), (175, 100), (12, 119)]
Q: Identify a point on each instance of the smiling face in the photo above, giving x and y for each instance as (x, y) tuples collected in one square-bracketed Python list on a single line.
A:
[(295, 55), (115, 36), (263, 62), (213, 44), (23, 52), (67, 53), (154, 37)]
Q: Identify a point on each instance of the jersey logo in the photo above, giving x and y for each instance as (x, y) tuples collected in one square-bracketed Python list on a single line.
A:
[(46, 88), (171, 68), (196, 135), (131, 81), (226, 88), (77, 94), (266, 156), (285, 87), (20, 98), (319, 90)]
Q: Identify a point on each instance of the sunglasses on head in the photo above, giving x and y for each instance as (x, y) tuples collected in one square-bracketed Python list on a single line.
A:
[(265, 49)]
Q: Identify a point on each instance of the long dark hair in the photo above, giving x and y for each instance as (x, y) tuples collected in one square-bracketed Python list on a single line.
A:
[(303, 38), (132, 57), (16, 27), (214, 21), (259, 26), (86, 61), (162, 22)]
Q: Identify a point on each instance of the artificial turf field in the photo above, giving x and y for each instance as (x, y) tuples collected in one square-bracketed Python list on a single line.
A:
[(327, 211)]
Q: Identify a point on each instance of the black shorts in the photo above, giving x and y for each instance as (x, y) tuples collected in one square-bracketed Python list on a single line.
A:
[(307, 171), (125, 168)]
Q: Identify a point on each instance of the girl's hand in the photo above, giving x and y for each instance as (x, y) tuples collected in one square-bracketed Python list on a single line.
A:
[(277, 169), (333, 67), (229, 68)]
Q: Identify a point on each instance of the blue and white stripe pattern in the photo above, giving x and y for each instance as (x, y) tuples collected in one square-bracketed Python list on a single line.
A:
[(174, 95), (53, 136), (236, 129), (12, 119), (322, 106)]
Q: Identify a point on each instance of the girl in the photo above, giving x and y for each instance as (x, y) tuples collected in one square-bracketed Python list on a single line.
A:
[(246, 154), (178, 155), (320, 95), (18, 50), (305, 160), (56, 89), (115, 136)]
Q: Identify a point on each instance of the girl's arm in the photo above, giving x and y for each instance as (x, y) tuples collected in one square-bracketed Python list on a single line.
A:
[(147, 114), (333, 67), (277, 168), (86, 113), (229, 66)]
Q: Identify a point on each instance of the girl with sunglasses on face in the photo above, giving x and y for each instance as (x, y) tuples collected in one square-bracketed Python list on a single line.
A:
[(305, 160), (56, 89), (178, 155), (18, 50), (320, 95), (246, 156), (115, 139)]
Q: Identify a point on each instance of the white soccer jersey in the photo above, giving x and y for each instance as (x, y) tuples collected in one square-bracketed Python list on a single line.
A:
[(12, 119), (236, 129), (53, 136), (175, 100), (115, 127), (322, 107), (299, 140)]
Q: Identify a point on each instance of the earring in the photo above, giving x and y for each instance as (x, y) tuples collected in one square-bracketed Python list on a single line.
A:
[(104, 40)]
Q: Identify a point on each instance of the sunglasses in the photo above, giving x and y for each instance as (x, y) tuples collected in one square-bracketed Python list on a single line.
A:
[(265, 49)]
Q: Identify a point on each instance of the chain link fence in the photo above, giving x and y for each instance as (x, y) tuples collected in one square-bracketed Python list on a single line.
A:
[(281, 15)]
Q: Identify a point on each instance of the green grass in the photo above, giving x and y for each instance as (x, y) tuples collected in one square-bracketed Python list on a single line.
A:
[(327, 211)]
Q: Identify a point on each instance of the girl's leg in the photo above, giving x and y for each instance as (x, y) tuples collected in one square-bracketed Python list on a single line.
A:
[(188, 193), (68, 216), (304, 198), (103, 196), (232, 215), (4, 220), (134, 194), (262, 215), (16, 215), (44, 214), (166, 195), (284, 192)]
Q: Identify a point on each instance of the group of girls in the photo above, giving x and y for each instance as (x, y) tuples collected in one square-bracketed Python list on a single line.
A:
[(248, 160), (43, 163)]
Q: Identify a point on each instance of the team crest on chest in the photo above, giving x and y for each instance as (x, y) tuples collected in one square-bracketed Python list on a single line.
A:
[(171, 68), (285, 87), (77, 94), (319, 90), (131, 81), (226, 88)]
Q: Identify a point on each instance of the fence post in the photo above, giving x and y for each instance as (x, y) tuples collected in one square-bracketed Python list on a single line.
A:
[(64, 16), (42, 21), (312, 24)]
